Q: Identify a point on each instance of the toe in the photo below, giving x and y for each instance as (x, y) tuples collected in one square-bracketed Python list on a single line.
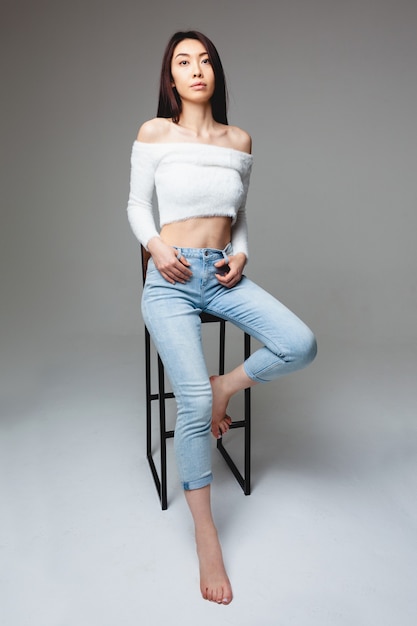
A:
[(218, 595)]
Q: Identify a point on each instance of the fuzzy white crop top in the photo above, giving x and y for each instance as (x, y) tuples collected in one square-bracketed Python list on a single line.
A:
[(191, 180)]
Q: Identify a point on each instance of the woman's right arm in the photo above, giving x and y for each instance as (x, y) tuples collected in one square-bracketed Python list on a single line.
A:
[(140, 209)]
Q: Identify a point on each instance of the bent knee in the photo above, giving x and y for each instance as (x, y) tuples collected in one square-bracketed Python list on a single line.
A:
[(306, 350)]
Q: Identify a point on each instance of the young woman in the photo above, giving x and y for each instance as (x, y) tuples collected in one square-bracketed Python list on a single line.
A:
[(200, 167)]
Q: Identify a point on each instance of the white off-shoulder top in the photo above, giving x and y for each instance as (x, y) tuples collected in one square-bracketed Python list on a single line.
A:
[(191, 180)]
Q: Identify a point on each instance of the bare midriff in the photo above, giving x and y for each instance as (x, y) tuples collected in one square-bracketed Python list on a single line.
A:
[(198, 232)]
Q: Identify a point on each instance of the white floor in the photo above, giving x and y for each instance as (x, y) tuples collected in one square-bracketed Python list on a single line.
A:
[(328, 536)]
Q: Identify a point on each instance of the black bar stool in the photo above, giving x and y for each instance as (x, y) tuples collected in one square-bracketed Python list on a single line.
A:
[(162, 395)]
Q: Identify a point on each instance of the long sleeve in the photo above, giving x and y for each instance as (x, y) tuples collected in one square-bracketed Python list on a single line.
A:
[(142, 182), (240, 227)]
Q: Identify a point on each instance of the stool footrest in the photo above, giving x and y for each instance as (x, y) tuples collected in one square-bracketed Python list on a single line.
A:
[(166, 396)]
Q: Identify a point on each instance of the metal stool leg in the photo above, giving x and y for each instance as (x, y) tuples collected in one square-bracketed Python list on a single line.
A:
[(164, 434), (245, 479)]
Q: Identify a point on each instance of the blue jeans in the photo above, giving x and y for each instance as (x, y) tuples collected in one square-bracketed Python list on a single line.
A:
[(171, 314)]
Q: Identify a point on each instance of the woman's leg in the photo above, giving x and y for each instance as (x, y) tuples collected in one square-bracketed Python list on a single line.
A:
[(214, 582), (175, 327), (289, 345)]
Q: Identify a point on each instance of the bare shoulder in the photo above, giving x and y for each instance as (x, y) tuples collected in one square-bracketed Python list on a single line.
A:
[(240, 139), (154, 131)]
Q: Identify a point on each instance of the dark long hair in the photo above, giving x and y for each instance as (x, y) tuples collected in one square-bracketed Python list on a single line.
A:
[(169, 104)]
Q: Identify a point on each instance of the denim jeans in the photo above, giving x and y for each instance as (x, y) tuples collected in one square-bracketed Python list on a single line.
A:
[(171, 314)]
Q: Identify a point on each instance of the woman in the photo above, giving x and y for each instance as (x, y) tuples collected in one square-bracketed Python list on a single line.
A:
[(200, 167)]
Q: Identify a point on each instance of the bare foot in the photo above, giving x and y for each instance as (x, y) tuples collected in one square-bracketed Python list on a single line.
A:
[(214, 582), (220, 422)]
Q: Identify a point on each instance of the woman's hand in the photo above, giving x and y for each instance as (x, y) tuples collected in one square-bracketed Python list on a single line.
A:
[(172, 269), (234, 269)]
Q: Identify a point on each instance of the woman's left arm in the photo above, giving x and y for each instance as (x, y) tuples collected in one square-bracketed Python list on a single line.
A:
[(237, 261)]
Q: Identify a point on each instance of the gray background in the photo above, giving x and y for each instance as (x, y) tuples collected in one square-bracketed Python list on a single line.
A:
[(328, 90)]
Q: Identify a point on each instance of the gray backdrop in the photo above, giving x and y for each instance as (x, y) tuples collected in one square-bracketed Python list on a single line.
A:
[(328, 90)]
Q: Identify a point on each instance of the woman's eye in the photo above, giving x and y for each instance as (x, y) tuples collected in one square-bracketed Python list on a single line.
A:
[(207, 61)]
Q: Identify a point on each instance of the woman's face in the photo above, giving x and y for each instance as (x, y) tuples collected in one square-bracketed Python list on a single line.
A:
[(191, 70)]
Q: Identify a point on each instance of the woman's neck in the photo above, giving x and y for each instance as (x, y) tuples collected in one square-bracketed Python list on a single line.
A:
[(197, 120)]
